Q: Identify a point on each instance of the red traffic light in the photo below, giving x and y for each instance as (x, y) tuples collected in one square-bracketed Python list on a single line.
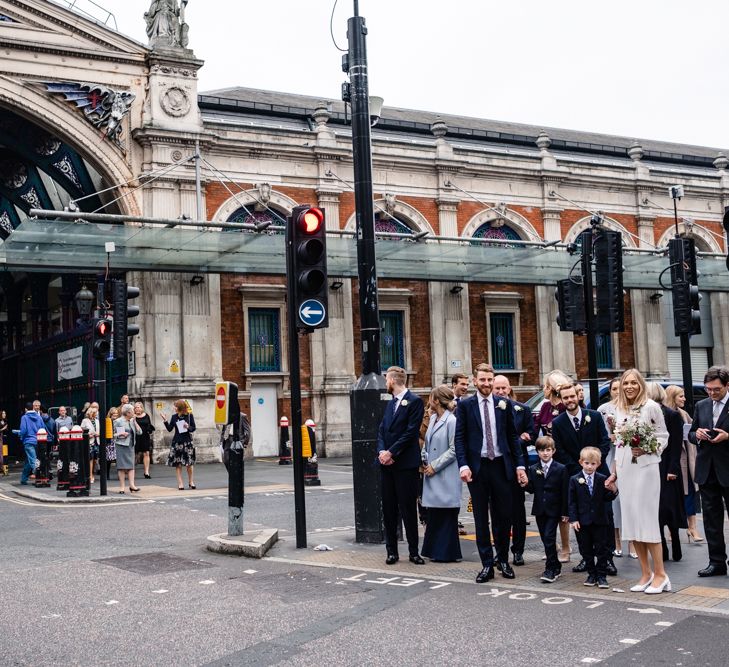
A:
[(310, 221), (102, 328)]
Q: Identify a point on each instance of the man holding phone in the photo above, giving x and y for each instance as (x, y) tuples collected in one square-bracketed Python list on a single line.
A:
[(710, 433)]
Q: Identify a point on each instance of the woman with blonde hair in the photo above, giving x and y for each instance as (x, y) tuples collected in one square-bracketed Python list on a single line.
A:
[(91, 423), (676, 399), (182, 451), (442, 481), (639, 480), (551, 408)]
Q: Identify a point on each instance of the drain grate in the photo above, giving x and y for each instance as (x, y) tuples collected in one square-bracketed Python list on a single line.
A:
[(153, 563)]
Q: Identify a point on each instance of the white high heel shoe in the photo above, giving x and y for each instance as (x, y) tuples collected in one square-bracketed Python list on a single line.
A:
[(642, 588), (665, 586)]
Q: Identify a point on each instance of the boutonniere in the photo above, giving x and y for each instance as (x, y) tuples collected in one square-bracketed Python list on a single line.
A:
[(518, 408), (540, 472), (404, 402), (587, 419), (582, 480), (555, 413), (502, 405)]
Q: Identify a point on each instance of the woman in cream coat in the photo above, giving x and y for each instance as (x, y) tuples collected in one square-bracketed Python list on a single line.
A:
[(640, 482), (442, 481), (125, 432)]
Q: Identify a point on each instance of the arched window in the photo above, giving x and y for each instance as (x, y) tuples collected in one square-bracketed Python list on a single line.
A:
[(251, 216), (391, 224), (488, 230)]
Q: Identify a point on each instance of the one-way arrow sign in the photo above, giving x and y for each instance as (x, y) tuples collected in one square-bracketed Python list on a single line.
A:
[(312, 312)]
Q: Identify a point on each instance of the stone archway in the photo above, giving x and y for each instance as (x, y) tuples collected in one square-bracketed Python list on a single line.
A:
[(705, 242), (584, 223), (498, 217), (404, 213)]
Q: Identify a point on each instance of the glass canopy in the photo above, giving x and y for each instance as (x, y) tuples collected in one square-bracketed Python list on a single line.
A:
[(41, 246)]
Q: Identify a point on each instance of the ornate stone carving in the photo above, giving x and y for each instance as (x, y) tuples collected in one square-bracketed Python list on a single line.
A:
[(390, 203), (439, 128), (721, 161), (175, 102), (66, 168), (177, 155), (635, 152), (103, 107), (6, 227), (543, 141), (166, 25), (13, 175)]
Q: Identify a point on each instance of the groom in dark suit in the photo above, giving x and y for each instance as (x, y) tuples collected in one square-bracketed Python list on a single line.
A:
[(399, 457), (710, 433), (574, 429), (489, 456)]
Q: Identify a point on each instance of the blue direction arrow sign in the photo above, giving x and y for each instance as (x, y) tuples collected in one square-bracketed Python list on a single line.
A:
[(312, 312)]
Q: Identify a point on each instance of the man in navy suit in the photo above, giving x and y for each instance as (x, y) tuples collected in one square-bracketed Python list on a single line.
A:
[(399, 457), (710, 433), (587, 497), (489, 457), (524, 425), (574, 429)]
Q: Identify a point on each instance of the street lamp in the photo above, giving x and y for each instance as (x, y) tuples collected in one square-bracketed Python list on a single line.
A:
[(84, 300)]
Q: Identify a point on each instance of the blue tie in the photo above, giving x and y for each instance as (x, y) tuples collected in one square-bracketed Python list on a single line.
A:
[(589, 484)]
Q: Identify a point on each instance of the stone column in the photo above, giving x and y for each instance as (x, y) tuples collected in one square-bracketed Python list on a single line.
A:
[(448, 216), (556, 348), (450, 336)]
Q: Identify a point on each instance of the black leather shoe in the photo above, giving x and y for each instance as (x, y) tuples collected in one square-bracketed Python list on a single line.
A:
[(391, 559), (712, 570), (417, 560), (611, 569), (518, 559), (485, 574), (580, 567), (506, 570)]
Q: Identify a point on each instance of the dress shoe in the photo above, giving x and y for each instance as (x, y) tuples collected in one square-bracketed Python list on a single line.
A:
[(485, 575), (590, 581), (417, 560), (665, 586), (712, 570), (146, 476), (505, 570), (640, 588), (549, 577), (617, 553), (391, 559), (611, 569), (602, 582), (580, 567), (518, 559)]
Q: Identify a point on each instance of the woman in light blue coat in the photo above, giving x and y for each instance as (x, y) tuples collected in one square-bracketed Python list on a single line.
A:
[(442, 482)]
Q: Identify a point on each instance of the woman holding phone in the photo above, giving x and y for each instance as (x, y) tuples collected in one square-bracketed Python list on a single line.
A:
[(182, 450)]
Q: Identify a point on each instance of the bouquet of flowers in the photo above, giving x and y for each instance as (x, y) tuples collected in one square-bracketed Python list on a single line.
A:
[(639, 434)]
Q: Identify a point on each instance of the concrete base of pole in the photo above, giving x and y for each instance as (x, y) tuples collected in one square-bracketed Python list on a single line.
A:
[(235, 521), (253, 544)]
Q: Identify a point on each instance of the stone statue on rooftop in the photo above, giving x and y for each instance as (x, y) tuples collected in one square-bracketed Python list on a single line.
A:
[(166, 25)]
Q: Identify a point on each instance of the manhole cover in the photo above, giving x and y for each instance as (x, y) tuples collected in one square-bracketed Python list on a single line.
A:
[(153, 563)]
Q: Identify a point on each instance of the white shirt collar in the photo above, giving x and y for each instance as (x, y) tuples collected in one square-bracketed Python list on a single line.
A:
[(578, 415), (401, 395)]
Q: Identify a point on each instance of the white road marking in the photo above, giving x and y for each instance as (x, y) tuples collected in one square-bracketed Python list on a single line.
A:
[(664, 624), (590, 660), (160, 591), (648, 610), (194, 510), (51, 616), (206, 582), (249, 571), (628, 640), (111, 602)]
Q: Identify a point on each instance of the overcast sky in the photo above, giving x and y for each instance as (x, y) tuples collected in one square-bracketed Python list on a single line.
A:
[(640, 68)]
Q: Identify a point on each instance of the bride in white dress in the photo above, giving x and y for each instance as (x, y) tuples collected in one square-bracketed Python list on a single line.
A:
[(640, 482)]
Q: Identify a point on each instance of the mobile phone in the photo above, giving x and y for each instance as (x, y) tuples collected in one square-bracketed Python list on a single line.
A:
[(712, 433)]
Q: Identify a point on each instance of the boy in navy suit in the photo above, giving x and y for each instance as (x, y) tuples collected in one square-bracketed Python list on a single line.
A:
[(548, 482), (588, 515)]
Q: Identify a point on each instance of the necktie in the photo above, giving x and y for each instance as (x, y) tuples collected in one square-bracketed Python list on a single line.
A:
[(545, 469), (589, 484), (576, 422), (716, 412), (395, 404), (490, 453)]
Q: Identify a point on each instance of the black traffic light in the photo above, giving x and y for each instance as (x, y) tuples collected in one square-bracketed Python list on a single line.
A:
[(101, 339), (684, 286), (607, 248), (571, 302), (308, 270), (121, 293)]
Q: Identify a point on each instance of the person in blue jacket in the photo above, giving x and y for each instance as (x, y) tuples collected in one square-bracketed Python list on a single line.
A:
[(30, 424)]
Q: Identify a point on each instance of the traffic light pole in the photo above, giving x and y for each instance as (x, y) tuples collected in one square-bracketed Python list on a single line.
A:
[(100, 299), (295, 384), (366, 404), (587, 243)]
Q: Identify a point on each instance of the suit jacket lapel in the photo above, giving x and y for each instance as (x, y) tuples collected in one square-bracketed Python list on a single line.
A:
[(722, 414)]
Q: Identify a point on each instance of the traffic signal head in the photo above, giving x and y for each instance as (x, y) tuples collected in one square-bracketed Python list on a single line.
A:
[(308, 267), (101, 338), (684, 286), (607, 249), (571, 303), (121, 293)]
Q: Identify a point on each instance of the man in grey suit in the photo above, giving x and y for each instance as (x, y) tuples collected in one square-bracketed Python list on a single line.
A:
[(710, 433)]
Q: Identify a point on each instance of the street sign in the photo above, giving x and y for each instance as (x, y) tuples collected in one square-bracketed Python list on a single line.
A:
[(222, 392), (312, 312)]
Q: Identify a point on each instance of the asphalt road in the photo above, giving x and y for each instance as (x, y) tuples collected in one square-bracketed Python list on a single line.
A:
[(132, 583)]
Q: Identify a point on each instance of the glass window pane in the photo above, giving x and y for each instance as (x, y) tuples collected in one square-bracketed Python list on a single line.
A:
[(604, 345), (502, 341), (392, 343), (264, 341)]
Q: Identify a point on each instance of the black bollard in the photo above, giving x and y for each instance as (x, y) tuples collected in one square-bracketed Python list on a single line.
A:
[(64, 436), (77, 482), (311, 462), (42, 460), (284, 443)]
